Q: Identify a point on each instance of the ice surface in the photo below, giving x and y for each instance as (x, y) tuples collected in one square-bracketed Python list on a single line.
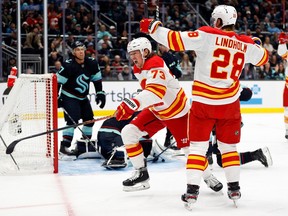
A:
[(84, 188)]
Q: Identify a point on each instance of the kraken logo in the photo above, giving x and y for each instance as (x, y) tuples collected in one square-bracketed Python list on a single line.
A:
[(82, 85)]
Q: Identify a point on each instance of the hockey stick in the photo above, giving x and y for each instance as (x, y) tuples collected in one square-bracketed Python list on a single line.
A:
[(157, 10), (155, 159), (10, 154), (12, 145), (83, 134), (145, 8)]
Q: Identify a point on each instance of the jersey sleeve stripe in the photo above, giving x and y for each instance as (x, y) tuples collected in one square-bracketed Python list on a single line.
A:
[(158, 90), (175, 41), (264, 59)]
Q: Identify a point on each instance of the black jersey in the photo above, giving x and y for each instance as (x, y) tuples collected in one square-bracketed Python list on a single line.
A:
[(173, 63), (75, 78)]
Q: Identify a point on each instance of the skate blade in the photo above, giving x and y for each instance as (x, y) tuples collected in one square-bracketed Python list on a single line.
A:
[(137, 187), (267, 154), (189, 205), (235, 203)]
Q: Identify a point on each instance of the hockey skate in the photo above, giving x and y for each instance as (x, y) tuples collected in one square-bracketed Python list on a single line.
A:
[(65, 154), (263, 155), (213, 183), (234, 192), (190, 197), (139, 181)]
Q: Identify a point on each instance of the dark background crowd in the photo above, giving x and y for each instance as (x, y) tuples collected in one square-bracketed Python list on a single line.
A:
[(106, 37)]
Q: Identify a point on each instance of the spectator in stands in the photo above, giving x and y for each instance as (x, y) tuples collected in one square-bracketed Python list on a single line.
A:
[(86, 26), (78, 30), (89, 39), (103, 60), (33, 44), (11, 40), (113, 31), (117, 65), (266, 72), (11, 28), (280, 71), (258, 33), (90, 49), (105, 50), (274, 59), (71, 39), (267, 45), (125, 74), (272, 28), (57, 66), (53, 57), (186, 66), (106, 72), (105, 39), (25, 29), (103, 32)]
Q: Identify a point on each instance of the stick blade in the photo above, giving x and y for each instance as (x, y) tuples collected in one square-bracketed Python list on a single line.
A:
[(11, 147)]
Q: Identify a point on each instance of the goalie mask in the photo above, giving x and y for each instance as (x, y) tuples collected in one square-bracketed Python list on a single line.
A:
[(226, 13)]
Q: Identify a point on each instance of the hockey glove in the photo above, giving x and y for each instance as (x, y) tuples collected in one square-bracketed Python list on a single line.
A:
[(257, 40), (126, 109), (149, 26), (101, 99), (283, 38)]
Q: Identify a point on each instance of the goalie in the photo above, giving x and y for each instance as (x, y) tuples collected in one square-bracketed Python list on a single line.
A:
[(110, 143)]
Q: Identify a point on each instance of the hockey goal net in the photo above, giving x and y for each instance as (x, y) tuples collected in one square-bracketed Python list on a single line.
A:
[(30, 108)]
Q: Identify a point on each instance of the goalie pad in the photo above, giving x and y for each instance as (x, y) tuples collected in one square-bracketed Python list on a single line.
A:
[(87, 149), (117, 159)]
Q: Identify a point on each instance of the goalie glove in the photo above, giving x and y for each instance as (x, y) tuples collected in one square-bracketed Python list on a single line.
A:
[(149, 26), (101, 99), (126, 109), (283, 38)]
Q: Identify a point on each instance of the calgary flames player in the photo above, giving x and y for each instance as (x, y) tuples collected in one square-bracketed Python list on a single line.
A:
[(282, 51), (163, 104), (221, 56)]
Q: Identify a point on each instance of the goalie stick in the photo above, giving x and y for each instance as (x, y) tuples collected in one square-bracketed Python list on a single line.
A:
[(12, 145)]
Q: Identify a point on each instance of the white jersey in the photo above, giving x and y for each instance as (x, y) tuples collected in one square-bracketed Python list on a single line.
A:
[(221, 56), (283, 52), (161, 91)]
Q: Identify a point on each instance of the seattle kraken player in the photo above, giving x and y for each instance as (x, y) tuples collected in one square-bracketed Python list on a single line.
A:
[(74, 77)]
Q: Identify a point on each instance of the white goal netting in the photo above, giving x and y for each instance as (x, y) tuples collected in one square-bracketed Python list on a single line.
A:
[(30, 108)]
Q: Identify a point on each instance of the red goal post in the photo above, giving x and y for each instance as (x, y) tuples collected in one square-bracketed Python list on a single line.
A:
[(31, 107)]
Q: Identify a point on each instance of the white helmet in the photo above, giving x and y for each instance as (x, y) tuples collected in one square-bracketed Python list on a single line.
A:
[(140, 44), (226, 13)]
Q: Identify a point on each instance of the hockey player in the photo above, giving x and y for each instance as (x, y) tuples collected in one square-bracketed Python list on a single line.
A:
[(283, 52), (221, 56), (74, 77), (163, 104), (109, 140), (262, 154), (173, 64)]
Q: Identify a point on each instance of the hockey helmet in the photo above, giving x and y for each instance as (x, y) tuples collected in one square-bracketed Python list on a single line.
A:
[(140, 44), (77, 44), (226, 13)]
